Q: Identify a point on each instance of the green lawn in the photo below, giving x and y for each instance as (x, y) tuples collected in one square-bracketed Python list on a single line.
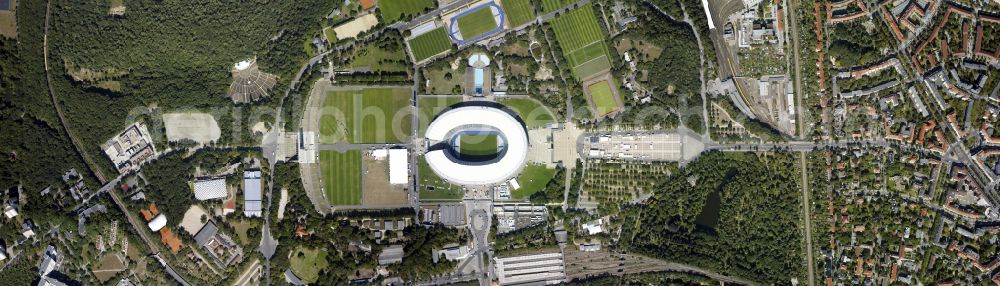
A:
[(533, 113), (308, 263), (442, 189), (431, 106), (604, 100), (393, 10), (341, 174), (532, 179), (429, 44), (582, 41), (370, 115), (477, 145), (379, 58), (476, 23), (552, 5), (518, 12), (330, 34)]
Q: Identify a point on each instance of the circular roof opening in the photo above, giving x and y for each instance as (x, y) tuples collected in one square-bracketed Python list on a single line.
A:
[(476, 145)]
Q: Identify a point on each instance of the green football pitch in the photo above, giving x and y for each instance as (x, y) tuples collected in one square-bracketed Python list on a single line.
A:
[(582, 41), (429, 44), (341, 174), (604, 99), (476, 23), (477, 145), (370, 115), (518, 12)]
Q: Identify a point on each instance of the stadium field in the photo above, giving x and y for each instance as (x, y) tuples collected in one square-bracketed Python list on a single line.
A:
[(430, 44), (370, 115), (476, 23), (393, 10), (518, 12), (582, 40), (604, 100), (477, 145), (341, 174)]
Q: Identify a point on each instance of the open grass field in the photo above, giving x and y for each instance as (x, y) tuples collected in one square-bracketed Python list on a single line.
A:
[(307, 263), (341, 173), (370, 115), (532, 179), (109, 267), (429, 107), (518, 12), (393, 10), (476, 23), (433, 187), (377, 58), (552, 5), (429, 44), (604, 100), (477, 144), (534, 114), (582, 42)]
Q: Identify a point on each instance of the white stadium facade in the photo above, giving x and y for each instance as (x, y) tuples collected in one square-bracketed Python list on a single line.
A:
[(442, 136)]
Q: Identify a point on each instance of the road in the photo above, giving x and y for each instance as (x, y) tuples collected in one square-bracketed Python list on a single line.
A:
[(806, 215)]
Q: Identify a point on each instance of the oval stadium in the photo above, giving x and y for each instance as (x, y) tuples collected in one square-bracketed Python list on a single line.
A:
[(476, 145)]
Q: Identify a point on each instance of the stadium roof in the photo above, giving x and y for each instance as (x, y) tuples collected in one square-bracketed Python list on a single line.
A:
[(399, 168), (477, 173), (210, 189)]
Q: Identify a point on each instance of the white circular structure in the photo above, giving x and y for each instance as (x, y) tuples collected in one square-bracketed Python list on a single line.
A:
[(443, 133)]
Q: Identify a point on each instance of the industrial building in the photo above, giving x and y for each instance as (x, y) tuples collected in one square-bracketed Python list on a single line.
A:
[(533, 269)]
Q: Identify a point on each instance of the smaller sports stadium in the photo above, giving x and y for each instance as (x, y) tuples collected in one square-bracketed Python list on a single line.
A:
[(476, 23)]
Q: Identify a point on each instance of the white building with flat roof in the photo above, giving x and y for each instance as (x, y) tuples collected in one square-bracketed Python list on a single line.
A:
[(252, 189), (399, 166), (210, 189), (157, 223)]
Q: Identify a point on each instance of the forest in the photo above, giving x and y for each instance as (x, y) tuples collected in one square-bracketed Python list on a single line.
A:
[(177, 54), (736, 213)]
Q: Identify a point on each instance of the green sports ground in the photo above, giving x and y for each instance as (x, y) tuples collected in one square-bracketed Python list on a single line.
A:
[(341, 173), (429, 44), (476, 23), (582, 41), (604, 99), (368, 115)]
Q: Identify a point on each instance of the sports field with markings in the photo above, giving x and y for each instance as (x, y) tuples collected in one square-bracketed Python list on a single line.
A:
[(518, 12), (582, 42), (476, 23), (341, 174), (369, 115), (604, 100), (477, 145), (429, 44)]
